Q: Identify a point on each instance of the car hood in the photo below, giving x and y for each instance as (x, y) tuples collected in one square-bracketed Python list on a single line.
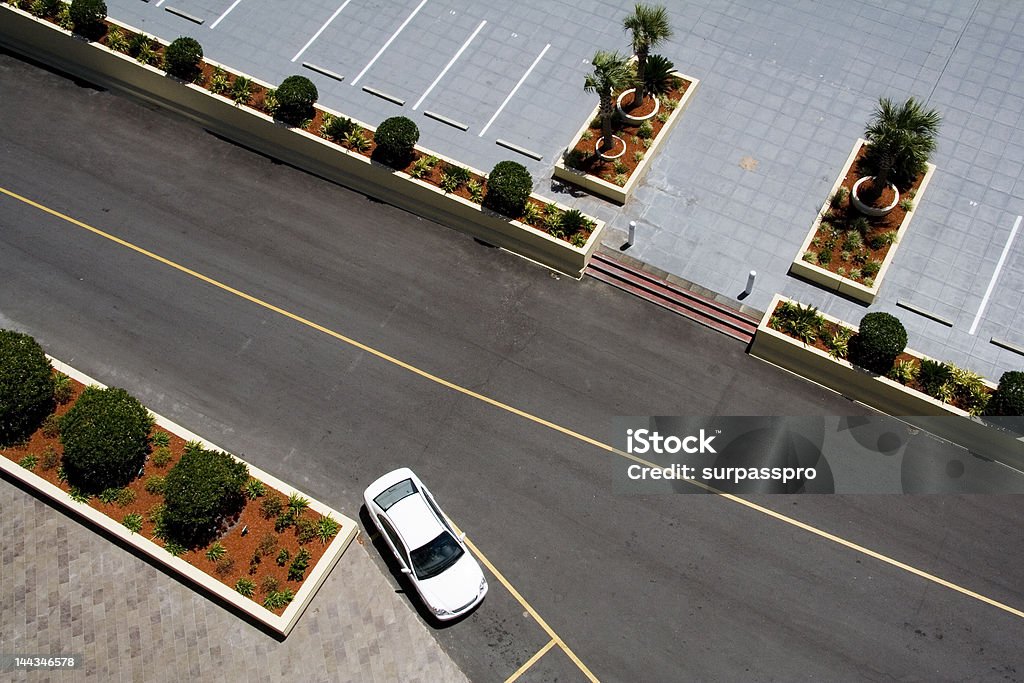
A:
[(455, 587)]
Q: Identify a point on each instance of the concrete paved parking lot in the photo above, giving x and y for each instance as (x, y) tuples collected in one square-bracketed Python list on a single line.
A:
[(787, 88)]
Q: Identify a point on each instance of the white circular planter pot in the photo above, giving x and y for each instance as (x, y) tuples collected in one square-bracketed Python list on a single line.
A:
[(618, 143), (867, 209), (635, 119)]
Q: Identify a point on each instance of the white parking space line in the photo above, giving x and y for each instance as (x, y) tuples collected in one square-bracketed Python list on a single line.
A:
[(390, 40), (995, 275), (160, 3), (317, 34), (226, 12), (449, 65), (511, 94)]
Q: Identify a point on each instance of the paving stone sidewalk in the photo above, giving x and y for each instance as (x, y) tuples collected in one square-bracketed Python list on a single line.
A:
[(67, 590)]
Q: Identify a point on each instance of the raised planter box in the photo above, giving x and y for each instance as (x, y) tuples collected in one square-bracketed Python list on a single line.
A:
[(95, 63), (611, 191), (281, 624), (885, 395), (833, 281)]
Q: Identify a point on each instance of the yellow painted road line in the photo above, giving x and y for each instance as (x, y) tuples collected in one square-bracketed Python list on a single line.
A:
[(533, 418), (530, 662)]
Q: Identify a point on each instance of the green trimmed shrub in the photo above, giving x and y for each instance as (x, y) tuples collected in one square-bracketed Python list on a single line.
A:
[(508, 187), (26, 386), (295, 99), (881, 338), (199, 491), (105, 437), (45, 8), (182, 58), (87, 16), (1008, 399), (396, 137)]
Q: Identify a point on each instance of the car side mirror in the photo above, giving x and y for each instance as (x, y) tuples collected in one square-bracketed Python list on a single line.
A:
[(406, 570)]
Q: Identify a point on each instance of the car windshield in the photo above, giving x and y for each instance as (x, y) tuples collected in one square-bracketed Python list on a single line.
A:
[(395, 493), (436, 556)]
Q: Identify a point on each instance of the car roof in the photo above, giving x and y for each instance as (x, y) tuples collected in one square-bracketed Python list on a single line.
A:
[(415, 521)]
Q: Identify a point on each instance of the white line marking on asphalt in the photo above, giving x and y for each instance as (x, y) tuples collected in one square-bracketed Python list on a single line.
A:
[(390, 40), (995, 275), (317, 34), (226, 12), (449, 65), (511, 94), (160, 3)]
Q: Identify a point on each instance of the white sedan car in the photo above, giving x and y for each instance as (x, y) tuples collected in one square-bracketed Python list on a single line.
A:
[(429, 551)]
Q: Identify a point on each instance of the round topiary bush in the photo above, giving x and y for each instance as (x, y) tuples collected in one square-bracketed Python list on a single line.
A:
[(508, 187), (87, 15), (26, 386), (199, 491), (881, 338), (182, 57), (105, 437), (295, 99), (396, 137), (1008, 399)]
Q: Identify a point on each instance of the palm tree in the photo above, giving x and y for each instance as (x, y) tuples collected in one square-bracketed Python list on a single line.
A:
[(901, 140), (611, 73), (649, 26)]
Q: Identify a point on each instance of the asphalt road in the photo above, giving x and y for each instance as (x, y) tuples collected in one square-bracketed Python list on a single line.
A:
[(641, 588)]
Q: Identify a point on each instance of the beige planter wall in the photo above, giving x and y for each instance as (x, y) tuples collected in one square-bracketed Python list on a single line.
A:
[(611, 191), (94, 62), (831, 281), (885, 395), (282, 624)]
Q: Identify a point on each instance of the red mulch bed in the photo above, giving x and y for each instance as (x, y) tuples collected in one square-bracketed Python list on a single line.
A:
[(588, 161), (842, 217), (239, 548)]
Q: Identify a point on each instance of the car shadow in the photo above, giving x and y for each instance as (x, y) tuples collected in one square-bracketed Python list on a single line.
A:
[(404, 584)]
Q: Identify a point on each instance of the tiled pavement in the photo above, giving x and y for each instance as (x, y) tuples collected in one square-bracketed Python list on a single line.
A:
[(67, 590)]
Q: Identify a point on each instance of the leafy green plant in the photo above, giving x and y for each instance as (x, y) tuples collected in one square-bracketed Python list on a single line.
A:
[(327, 528), (801, 322), (64, 17), (224, 565), (423, 166), (396, 139), (174, 548), (881, 338), (901, 139), (62, 475), (254, 488), (254, 562), (147, 55), (335, 127), (825, 255), (63, 388), (852, 240), (50, 458), (619, 166), (79, 495), (277, 600), (51, 426), (587, 135), (645, 131), (856, 274), (648, 26), (29, 461), (298, 567), (297, 504), (267, 544), (838, 198), (578, 239), (531, 213), (269, 101), (161, 456), (133, 520), (295, 99), (125, 497), (476, 191), (871, 268), (241, 90), (219, 84), (810, 257), (305, 530), (658, 78), (839, 343), (155, 484), (182, 58), (269, 584), (638, 156), (883, 239), (87, 16), (216, 551), (283, 557), (508, 188), (26, 386), (45, 8), (905, 371), (907, 204), (621, 179), (271, 506), (202, 488), (283, 521), (160, 438), (357, 140), (1008, 398), (245, 587), (105, 436), (662, 116)]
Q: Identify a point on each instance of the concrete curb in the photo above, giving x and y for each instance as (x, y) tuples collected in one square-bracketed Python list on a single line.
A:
[(886, 395), (282, 624)]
